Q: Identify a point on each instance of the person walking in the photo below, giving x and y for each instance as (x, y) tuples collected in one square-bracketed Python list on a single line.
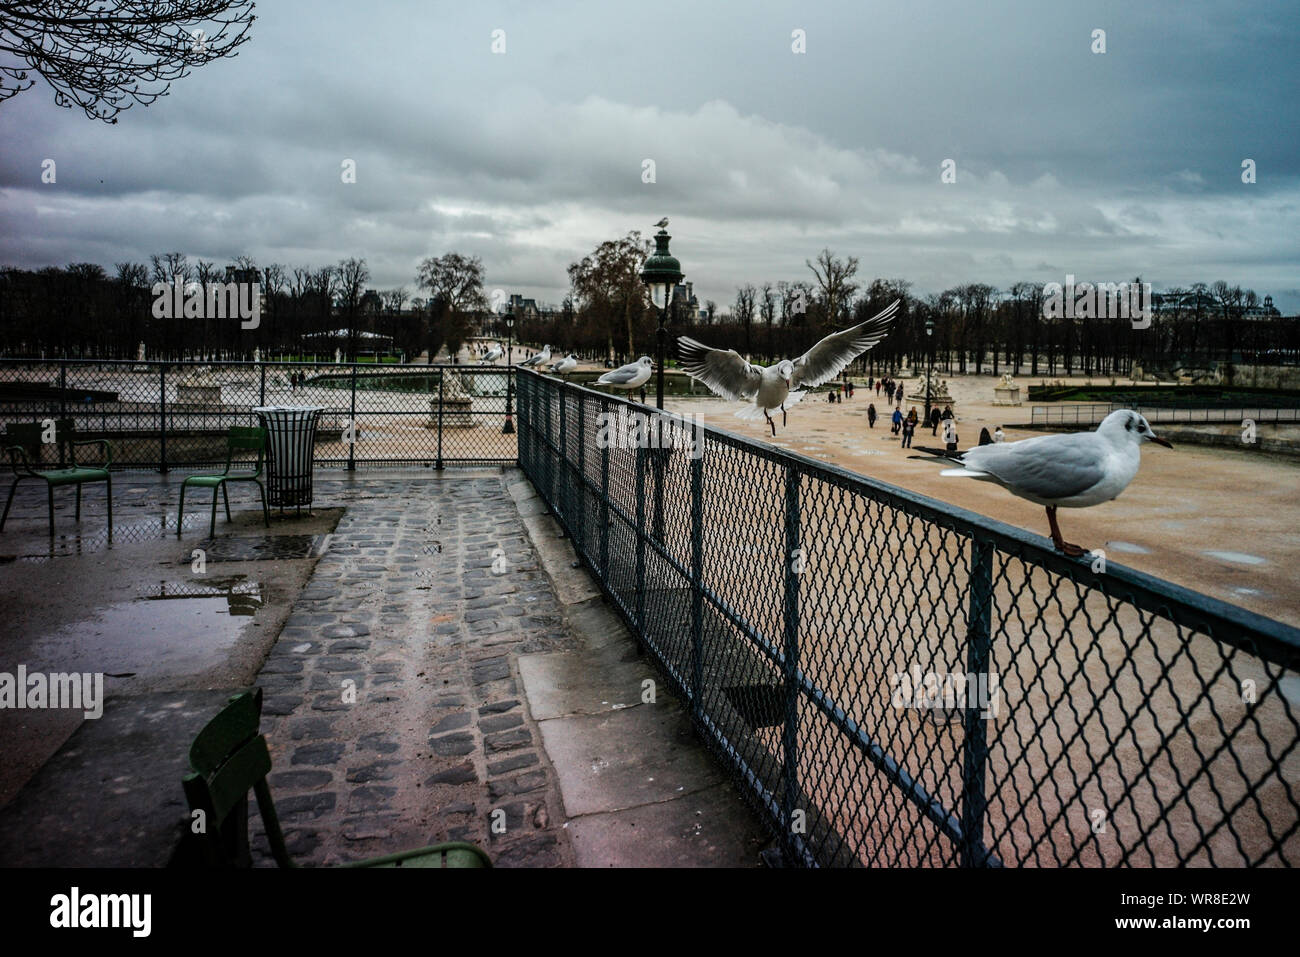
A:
[(871, 416), (850, 388), (879, 384), (897, 419), (909, 430), (934, 420)]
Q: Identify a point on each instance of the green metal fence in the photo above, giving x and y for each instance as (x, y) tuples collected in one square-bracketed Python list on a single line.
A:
[(174, 415), (896, 681)]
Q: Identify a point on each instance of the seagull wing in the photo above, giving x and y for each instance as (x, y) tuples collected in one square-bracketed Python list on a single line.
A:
[(724, 371), (1049, 466), (828, 358)]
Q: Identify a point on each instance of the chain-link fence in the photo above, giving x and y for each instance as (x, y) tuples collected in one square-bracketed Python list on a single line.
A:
[(896, 681), (174, 415)]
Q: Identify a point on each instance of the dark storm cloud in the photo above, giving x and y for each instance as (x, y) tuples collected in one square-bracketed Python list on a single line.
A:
[(1102, 165)]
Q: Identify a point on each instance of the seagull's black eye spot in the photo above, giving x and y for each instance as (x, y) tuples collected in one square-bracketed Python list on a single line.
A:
[(1142, 428)]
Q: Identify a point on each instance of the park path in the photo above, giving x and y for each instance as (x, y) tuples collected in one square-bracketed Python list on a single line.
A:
[(393, 705)]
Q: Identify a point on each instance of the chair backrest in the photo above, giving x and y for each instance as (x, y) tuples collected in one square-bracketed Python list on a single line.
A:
[(31, 436), (242, 438), (229, 758)]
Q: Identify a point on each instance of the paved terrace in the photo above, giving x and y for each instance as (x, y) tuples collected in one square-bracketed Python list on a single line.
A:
[(435, 668)]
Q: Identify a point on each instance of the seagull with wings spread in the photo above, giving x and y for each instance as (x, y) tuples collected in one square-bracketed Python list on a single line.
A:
[(779, 386)]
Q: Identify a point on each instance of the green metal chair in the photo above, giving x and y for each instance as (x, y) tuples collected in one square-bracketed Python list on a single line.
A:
[(238, 439), (229, 757), (30, 439)]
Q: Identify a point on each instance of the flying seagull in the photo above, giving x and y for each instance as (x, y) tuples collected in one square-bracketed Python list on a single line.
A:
[(634, 375), (769, 388), (663, 223), (543, 356), (1065, 471), (565, 365)]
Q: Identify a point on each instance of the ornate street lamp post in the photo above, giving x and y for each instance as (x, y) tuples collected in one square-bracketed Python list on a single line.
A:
[(509, 427), (662, 273), (929, 375)]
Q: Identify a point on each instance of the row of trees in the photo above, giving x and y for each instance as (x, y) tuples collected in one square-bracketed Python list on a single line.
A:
[(81, 310)]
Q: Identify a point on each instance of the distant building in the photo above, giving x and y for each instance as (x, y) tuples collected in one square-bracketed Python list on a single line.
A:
[(686, 302)]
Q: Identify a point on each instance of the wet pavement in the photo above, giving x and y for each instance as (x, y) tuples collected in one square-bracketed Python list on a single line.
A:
[(392, 649)]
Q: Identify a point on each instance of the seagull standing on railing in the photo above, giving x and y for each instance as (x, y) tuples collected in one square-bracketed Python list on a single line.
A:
[(537, 360), (634, 375), (565, 365), (770, 388), (1062, 471), (494, 353)]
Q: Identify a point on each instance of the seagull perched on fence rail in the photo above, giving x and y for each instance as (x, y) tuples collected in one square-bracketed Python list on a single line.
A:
[(727, 373), (494, 353), (543, 356), (565, 365), (1062, 471), (634, 375)]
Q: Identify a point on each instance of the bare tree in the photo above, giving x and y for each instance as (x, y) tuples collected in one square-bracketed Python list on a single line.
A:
[(608, 284), (743, 310), (455, 283), (168, 267), (352, 275), (767, 310), (835, 278), (104, 56)]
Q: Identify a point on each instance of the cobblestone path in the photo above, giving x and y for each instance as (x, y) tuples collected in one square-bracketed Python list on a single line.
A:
[(393, 705)]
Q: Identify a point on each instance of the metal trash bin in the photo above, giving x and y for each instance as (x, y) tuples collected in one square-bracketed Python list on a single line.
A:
[(290, 446)]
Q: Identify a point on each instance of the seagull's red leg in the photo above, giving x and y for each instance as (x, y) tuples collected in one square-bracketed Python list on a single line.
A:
[(1074, 551)]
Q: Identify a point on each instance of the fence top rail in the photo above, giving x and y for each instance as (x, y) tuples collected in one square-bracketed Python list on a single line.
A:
[(288, 364), (1271, 639)]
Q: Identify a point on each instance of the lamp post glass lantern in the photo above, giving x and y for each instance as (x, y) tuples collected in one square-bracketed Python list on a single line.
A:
[(662, 273)]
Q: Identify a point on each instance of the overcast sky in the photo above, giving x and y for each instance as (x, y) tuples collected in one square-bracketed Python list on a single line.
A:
[(1106, 166)]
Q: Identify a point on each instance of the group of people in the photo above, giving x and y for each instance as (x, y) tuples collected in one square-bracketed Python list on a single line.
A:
[(893, 389), (904, 424)]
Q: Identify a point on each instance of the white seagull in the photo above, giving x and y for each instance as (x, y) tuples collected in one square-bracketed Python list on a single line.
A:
[(543, 356), (634, 375), (1065, 471), (494, 353), (663, 223), (770, 388), (565, 365)]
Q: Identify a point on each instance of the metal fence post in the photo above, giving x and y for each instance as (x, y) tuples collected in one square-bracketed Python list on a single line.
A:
[(63, 407), (582, 474), (566, 464), (442, 380), (604, 499), (975, 751), (162, 418), (352, 422), (790, 656), (639, 495), (261, 392), (697, 573)]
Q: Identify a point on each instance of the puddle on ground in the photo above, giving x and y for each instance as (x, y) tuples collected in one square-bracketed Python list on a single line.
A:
[(1119, 546), (176, 628), (1239, 558)]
